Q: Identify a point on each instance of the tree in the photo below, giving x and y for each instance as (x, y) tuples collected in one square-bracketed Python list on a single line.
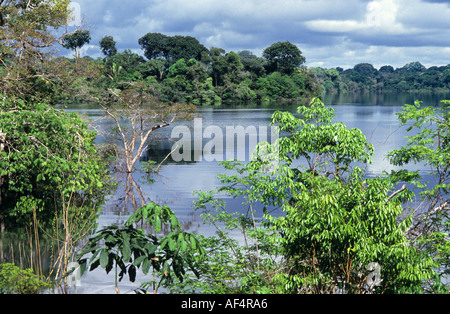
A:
[(252, 63), (76, 40), (386, 69), (154, 67), (340, 231), (27, 29), (365, 69), (136, 114), (185, 47), (283, 57), (155, 45), (108, 46), (171, 48), (53, 181), (219, 64), (178, 68), (413, 67), (130, 64), (429, 145)]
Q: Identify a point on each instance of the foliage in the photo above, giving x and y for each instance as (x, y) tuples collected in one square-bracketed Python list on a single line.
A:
[(337, 226), (28, 31), (199, 76), (364, 77), (108, 46), (171, 48), (14, 280), (76, 40), (230, 265), (429, 146), (129, 248), (283, 57), (50, 157)]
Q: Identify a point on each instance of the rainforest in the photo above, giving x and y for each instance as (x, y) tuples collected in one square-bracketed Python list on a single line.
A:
[(318, 206)]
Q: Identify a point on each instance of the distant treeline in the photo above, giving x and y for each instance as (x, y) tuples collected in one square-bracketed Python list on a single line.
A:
[(365, 77), (180, 69)]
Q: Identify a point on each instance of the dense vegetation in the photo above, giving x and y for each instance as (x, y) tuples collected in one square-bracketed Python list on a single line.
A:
[(340, 232), (180, 69), (364, 77)]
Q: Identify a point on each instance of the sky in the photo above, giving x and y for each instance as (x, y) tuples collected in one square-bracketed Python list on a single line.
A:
[(329, 33)]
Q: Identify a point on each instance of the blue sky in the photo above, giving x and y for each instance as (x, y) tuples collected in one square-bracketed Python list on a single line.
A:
[(329, 33)]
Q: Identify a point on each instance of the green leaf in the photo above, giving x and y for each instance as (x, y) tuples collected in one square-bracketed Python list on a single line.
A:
[(104, 258), (146, 266), (137, 262), (126, 250)]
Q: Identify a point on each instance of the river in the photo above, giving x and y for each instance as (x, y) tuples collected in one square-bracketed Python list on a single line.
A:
[(176, 181)]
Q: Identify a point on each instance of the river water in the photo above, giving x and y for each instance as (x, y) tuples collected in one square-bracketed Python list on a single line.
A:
[(176, 181)]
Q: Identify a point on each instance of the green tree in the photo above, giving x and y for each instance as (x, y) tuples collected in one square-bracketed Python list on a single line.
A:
[(219, 64), (76, 41), (252, 63), (413, 67), (154, 67), (283, 57), (185, 47), (13, 280), (340, 231), (430, 146), (27, 30), (365, 69), (178, 68), (48, 155), (155, 45), (171, 48), (108, 46), (52, 180)]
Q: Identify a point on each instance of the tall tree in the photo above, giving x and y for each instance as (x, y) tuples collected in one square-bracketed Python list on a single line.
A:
[(136, 115), (171, 48), (155, 45), (27, 32), (186, 47), (283, 57), (108, 46), (76, 40)]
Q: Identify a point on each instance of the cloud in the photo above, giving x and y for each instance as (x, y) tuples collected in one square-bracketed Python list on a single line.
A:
[(337, 32), (380, 19)]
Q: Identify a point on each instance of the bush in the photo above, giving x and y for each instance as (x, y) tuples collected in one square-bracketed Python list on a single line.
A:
[(14, 280)]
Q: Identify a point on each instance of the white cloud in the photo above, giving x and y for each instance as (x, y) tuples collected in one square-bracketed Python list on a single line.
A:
[(338, 33), (380, 17)]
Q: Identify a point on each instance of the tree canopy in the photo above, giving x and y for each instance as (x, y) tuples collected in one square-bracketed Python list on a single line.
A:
[(108, 46), (284, 57), (76, 40), (49, 157), (171, 48)]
